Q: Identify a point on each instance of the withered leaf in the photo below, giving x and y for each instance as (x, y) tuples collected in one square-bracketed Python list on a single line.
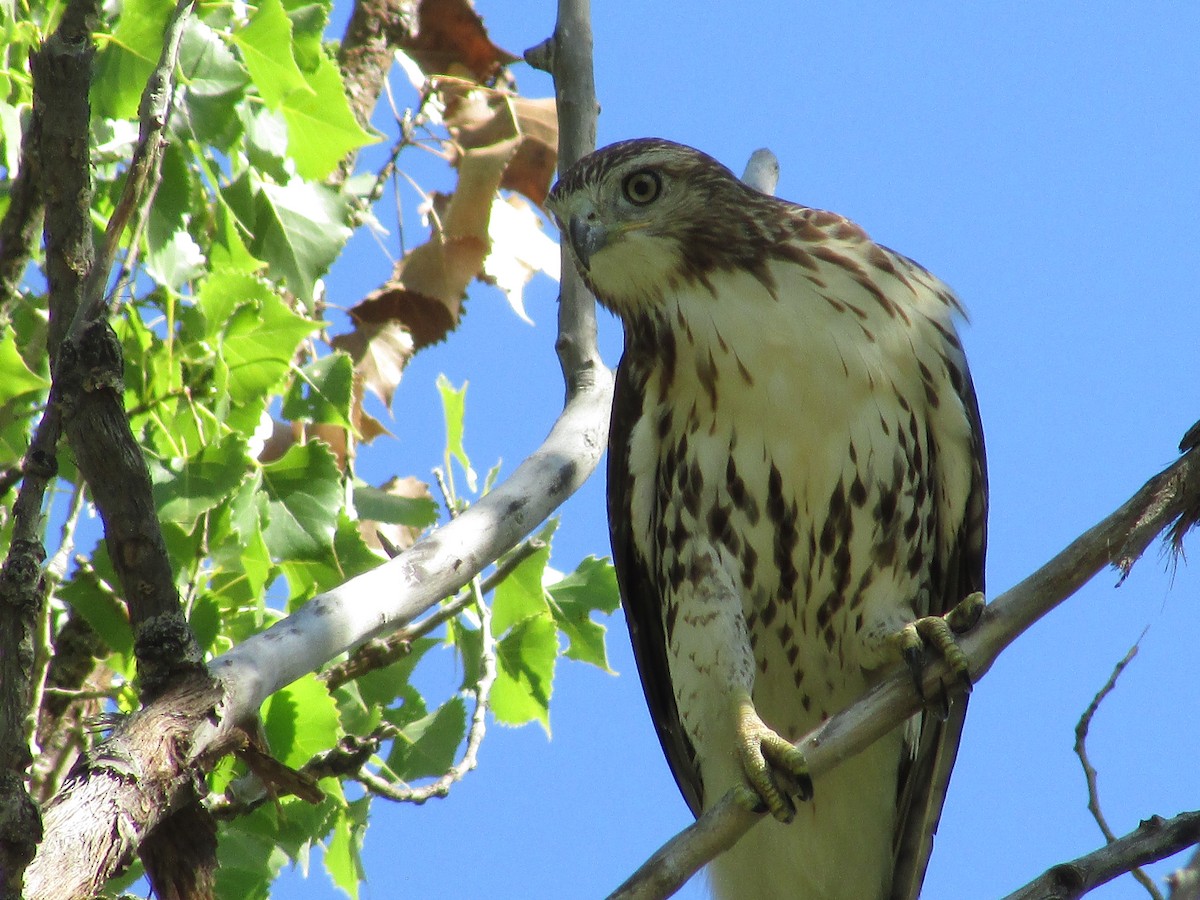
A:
[(450, 40), (380, 347)]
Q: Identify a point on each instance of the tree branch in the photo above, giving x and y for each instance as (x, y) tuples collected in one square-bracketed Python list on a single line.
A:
[(1154, 839), (1117, 541)]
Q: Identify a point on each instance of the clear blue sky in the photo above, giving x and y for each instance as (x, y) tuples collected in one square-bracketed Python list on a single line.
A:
[(1041, 160)]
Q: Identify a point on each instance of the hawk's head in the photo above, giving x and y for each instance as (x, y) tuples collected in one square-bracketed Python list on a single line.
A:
[(646, 215)]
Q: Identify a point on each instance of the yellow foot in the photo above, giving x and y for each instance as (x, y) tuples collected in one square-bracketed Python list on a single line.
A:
[(937, 633), (776, 771)]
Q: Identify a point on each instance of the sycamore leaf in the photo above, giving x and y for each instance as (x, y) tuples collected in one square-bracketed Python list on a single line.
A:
[(573, 598), (300, 720), (519, 249), (266, 45), (525, 660), (454, 402), (185, 489), (127, 57), (321, 127), (16, 378), (322, 391), (299, 230), (481, 118), (399, 510), (427, 747), (303, 498), (342, 857), (380, 351), (450, 39), (520, 595)]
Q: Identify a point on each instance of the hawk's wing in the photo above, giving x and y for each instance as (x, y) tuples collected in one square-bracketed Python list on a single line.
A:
[(925, 776), (640, 594)]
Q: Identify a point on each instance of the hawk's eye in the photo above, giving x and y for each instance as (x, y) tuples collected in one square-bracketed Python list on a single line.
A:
[(642, 187)]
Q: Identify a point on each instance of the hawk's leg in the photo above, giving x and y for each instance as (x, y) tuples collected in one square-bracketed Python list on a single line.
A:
[(775, 769), (937, 633)]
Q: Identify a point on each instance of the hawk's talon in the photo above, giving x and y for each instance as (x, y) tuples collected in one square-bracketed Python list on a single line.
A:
[(937, 633), (775, 769)]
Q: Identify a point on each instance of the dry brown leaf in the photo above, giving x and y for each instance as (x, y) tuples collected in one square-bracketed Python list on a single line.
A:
[(400, 537), (481, 118), (450, 40), (380, 349)]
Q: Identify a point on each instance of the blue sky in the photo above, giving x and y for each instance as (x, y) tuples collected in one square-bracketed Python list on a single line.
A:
[(1042, 161)]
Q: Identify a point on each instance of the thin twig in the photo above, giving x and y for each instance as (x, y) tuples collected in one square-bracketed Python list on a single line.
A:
[(141, 183), (1089, 771), (440, 787)]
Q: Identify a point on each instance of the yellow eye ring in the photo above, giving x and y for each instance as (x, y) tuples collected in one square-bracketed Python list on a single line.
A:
[(642, 187)]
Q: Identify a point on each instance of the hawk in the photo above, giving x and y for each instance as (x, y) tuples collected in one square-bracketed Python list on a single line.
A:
[(796, 475)]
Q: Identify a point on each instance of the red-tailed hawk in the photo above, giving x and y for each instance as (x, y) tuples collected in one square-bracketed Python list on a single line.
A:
[(796, 473)]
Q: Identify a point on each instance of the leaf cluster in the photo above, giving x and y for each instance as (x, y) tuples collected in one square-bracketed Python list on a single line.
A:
[(250, 413)]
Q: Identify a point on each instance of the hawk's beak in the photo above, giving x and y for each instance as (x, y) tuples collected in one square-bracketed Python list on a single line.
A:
[(587, 236)]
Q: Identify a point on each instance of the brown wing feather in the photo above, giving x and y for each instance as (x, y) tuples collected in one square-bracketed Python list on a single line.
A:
[(923, 783), (640, 595)]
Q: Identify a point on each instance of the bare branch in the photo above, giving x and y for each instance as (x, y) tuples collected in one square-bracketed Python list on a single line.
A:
[(1154, 839), (1089, 771), (1117, 540)]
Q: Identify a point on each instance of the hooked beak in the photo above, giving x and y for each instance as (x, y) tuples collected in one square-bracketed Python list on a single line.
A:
[(587, 236)]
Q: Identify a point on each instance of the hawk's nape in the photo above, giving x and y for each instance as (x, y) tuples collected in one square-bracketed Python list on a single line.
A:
[(796, 474)]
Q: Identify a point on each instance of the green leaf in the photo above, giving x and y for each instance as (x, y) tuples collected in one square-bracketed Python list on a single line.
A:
[(304, 496), (322, 391), (99, 605), (257, 339), (454, 402), (377, 505), (381, 688), (247, 861), (266, 45), (525, 673), (206, 65), (172, 255), (205, 619), (428, 747), (343, 860), (521, 596), (299, 230), (348, 556), (592, 586), (185, 489), (321, 127), (16, 379), (127, 58), (300, 720)]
